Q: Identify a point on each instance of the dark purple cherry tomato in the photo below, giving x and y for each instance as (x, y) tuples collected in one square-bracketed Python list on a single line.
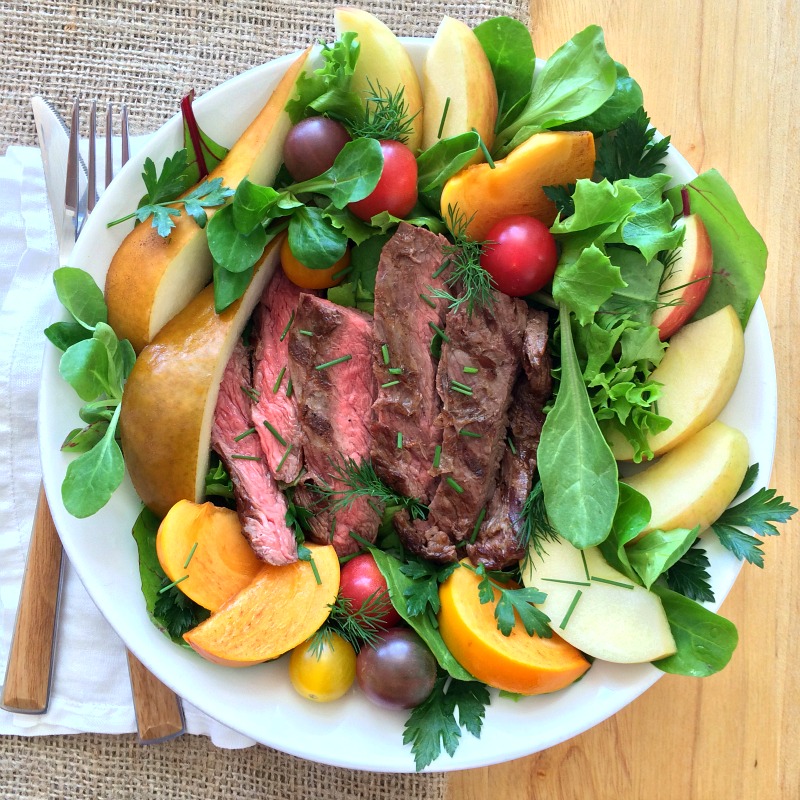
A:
[(399, 672), (360, 579), (522, 255), (312, 145), (396, 191)]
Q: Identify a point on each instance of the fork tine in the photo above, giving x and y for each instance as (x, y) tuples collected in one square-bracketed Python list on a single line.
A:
[(125, 136), (91, 196), (109, 143)]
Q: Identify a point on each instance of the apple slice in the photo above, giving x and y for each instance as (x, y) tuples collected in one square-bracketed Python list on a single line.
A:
[(169, 400), (620, 621), (383, 60), (151, 278), (698, 374), (687, 279), (696, 481), (457, 78)]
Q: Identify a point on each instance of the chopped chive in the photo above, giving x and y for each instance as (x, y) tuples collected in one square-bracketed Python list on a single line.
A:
[(345, 559), (613, 583), (460, 385), (289, 388), (242, 457), (444, 117), (360, 539), (585, 566), (399, 440), (477, 527), (437, 329), (442, 268), (341, 273), (385, 352), (283, 457), (271, 428), (170, 585), (252, 393), (189, 557), (437, 454), (375, 508), (334, 362), (243, 434), (511, 446), (471, 370), (486, 154), (462, 543), (288, 325), (427, 299), (306, 333), (455, 485), (279, 381), (465, 432), (571, 583), (571, 608), (395, 370), (460, 390), (388, 384), (314, 570)]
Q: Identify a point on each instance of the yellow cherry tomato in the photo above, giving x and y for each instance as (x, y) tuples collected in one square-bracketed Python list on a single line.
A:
[(323, 668), (307, 278)]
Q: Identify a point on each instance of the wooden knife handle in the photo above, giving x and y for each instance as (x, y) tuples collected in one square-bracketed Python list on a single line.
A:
[(30, 661), (159, 714)]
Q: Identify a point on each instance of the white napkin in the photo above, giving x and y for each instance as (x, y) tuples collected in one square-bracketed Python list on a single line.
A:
[(96, 699)]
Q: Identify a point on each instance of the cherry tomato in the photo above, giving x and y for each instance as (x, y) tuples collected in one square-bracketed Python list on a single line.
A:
[(396, 191), (312, 145), (323, 672), (398, 672), (307, 278), (360, 579), (522, 255)]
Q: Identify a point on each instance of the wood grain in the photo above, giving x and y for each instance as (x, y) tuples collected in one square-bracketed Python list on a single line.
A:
[(159, 715), (722, 78)]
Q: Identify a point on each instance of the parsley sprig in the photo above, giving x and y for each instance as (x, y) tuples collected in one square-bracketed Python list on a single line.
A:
[(630, 150), (689, 575), (757, 512), (423, 594)]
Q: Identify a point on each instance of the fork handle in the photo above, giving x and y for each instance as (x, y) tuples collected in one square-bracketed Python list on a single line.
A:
[(26, 688)]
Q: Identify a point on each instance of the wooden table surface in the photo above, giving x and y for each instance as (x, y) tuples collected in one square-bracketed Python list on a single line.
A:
[(722, 77)]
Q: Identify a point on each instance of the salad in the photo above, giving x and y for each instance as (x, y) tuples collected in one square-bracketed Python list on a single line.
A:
[(547, 188)]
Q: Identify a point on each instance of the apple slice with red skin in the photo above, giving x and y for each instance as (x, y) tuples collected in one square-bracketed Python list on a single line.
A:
[(687, 280)]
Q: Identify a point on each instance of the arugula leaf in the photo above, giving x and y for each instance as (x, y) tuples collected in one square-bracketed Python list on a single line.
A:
[(656, 551), (514, 601), (631, 150), (689, 575), (632, 514), (432, 725), (443, 159)]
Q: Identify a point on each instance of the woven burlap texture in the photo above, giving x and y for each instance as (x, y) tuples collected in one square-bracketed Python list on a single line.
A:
[(149, 53)]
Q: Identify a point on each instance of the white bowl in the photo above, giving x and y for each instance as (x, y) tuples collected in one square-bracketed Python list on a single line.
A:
[(259, 701)]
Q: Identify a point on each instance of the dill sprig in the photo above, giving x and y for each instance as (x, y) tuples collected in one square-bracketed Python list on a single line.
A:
[(360, 627), (385, 116), (466, 273), (361, 480), (536, 528)]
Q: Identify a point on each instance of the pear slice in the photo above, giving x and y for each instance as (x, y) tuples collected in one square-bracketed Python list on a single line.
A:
[(170, 395), (696, 481), (151, 278), (383, 60), (620, 622)]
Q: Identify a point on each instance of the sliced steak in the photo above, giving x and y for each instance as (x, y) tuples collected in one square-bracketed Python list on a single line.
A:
[(497, 543), (407, 404), (271, 380), (474, 422), (260, 504), (334, 405)]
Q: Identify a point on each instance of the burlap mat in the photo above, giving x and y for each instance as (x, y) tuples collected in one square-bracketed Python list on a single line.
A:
[(148, 53)]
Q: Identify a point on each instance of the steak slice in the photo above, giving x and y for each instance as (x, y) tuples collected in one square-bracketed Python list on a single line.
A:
[(407, 402), (271, 380), (474, 422), (498, 541), (260, 504), (334, 405)]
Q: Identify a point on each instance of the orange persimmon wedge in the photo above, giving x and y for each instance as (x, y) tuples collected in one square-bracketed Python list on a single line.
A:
[(280, 608), (514, 185), (516, 663), (205, 542)]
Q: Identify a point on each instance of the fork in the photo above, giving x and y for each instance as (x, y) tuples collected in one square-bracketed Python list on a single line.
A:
[(159, 715)]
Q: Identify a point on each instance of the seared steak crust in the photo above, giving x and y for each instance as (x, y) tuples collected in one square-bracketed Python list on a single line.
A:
[(260, 504), (473, 420), (407, 402), (334, 405)]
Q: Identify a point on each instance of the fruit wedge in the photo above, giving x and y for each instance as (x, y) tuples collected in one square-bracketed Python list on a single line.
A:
[(620, 621), (698, 374), (382, 61), (281, 608), (516, 663), (457, 86), (169, 399), (151, 278), (487, 194), (696, 481)]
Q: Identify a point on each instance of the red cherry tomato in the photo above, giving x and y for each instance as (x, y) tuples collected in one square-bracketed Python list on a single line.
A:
[(396, 191), (522, 255), (360, 579)]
